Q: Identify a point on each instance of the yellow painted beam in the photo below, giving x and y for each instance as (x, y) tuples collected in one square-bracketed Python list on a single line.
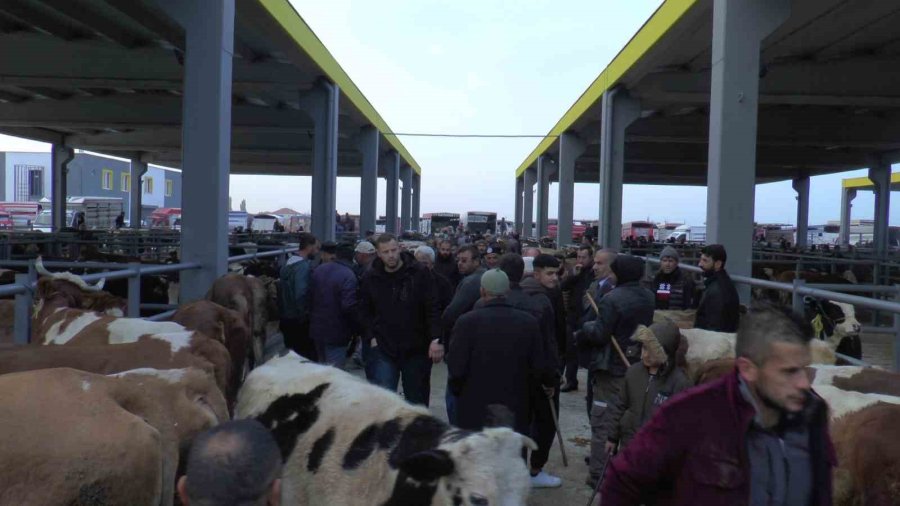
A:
[(861, 183), (665, 17), (303, 35)]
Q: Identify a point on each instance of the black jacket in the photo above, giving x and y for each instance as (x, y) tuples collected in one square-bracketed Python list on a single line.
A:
[(719, 305), (674, 290), (576, 286), (621, 311), (398, 309), (443, 296), (554, 334), (447, 268), (496, 357), (467, 294)]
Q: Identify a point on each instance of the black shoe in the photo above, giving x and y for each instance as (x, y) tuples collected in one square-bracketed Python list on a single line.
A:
[(569, 387)]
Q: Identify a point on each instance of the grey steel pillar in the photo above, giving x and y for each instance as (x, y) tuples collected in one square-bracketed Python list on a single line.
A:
[(881, 178), (368, 199), (801, 186), (321, 103), (60, 156), (530, 176), (570, 148), (405, 197), (416, 201), (543, 181), (619, 111), (517, 219), (393, 181), (206, 144), (138, 169), (847, 196), (738, 28)]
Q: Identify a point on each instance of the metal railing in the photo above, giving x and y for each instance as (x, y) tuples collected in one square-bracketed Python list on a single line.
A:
[(800, 288)]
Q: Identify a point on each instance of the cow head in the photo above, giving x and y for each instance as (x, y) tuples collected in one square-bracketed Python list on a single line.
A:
[(477, 469), (836, 323), (64, 289), (271, 287)]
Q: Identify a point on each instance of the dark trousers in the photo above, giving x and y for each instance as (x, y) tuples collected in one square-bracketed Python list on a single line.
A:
[(543, 427), (607, 389), (571, 359), (296, 337), (414, 371)]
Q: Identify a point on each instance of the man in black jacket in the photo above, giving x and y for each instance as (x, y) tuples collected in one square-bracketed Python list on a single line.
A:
[(397, 306), (719, 305), (620, 312), (674, 287), (576, 284), (445, 262)]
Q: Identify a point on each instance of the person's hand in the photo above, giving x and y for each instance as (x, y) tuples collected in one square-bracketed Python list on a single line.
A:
[(373, 343), (577, 269), (549, 391), (436, 351), (610, 447)]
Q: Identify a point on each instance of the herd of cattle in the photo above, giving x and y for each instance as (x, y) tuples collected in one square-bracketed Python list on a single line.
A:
[(100, 409)]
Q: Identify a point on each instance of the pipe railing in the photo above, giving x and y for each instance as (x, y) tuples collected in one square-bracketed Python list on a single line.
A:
[(800, 288)]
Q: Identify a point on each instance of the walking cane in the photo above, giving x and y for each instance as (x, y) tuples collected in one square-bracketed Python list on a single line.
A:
[(562, 447), (611, 338), (609, 457)]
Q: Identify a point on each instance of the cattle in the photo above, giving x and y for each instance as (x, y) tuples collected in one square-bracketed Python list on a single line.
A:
[(347, 442), (81, 294), (249, 296), (835, 322), (72, 437), (212, 319), (56, 322)]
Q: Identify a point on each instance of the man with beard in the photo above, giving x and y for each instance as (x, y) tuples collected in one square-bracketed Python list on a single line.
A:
[(397, 306), (757, 436), (718, 309), (674, 288), (445, 263)]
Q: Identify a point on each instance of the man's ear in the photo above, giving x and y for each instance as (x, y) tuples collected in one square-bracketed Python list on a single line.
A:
[(747, 369), (483, 292), (275, 493), (182, 490)]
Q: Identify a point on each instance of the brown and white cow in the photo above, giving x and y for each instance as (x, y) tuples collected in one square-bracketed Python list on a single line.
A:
[(212, 319), (348, 442), (250, 297), (71, 437)]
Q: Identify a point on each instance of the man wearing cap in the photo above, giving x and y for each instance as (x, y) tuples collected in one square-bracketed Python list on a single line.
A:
[(674, 287), (333, 307), (492, 255), (363, 258), (496, 356)]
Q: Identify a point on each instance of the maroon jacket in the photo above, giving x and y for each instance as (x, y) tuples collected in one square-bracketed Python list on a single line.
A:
[(694, 451)]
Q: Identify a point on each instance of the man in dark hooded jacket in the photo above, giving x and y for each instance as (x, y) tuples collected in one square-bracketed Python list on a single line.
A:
[(620, 312), (674, 287), (397, 306)]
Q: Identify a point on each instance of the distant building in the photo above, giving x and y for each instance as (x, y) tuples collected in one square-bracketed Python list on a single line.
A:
[(25, 177)]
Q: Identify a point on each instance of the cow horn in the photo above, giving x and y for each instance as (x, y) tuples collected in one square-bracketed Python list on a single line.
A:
[(68, 276), (39, 267)]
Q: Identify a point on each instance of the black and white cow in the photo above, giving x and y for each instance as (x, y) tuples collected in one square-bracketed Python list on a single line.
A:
[(347, 442), (836, 323)]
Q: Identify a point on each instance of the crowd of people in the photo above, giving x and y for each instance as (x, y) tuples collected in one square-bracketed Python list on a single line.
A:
[(514, 325)]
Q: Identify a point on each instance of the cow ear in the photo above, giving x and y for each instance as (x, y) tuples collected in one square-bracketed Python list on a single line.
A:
[(428, 465)]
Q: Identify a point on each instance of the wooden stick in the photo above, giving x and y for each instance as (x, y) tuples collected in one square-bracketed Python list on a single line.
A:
[(611, 337), (562, 447)]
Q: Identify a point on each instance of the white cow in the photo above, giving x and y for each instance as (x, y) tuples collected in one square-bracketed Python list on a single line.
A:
[(351, 443)]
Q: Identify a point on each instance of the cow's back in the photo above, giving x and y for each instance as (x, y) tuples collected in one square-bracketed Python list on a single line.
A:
[(66, 441)]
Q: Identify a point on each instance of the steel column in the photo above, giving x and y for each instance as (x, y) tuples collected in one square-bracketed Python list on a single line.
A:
[(544, 171), (393, 181), (847, 196), (570, 148), (738, 28), (517, 219), (881, 179), (416, 201), (60, 156), (322, 103), (405, 197), (801, 186), (619, 111), (368, 199), (138, 169), (206, 143), (528, 204)]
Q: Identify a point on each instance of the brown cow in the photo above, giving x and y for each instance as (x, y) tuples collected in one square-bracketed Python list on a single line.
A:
[(71, 437), (212, 319), (867, 443), (249, 296)]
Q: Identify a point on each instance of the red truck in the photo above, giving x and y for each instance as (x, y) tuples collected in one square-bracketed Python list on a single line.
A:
[(578, 229)]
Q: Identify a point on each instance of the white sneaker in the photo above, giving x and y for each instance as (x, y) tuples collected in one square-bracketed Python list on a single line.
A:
[(544, 480)]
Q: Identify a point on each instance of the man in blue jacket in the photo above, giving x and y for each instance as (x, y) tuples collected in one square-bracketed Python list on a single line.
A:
[(333, 314), (293, 300)]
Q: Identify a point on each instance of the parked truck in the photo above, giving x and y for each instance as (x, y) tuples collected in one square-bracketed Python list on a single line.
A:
[(689, 233), (481, 222), (99, 213)]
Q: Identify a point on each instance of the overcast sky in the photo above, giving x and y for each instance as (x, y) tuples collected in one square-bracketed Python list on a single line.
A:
[(496, 67)]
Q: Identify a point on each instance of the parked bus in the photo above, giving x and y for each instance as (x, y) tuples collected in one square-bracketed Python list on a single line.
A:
[(481, 222), (434, 222), (637, 229)]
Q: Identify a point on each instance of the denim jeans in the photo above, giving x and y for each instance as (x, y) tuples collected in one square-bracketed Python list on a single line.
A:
[(414, 371), (330, 354)]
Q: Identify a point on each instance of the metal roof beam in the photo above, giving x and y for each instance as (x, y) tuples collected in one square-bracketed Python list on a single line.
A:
[(94, 20)]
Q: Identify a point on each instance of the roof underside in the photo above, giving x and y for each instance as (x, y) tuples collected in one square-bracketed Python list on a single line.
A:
[(106, 76), (829, 95)]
